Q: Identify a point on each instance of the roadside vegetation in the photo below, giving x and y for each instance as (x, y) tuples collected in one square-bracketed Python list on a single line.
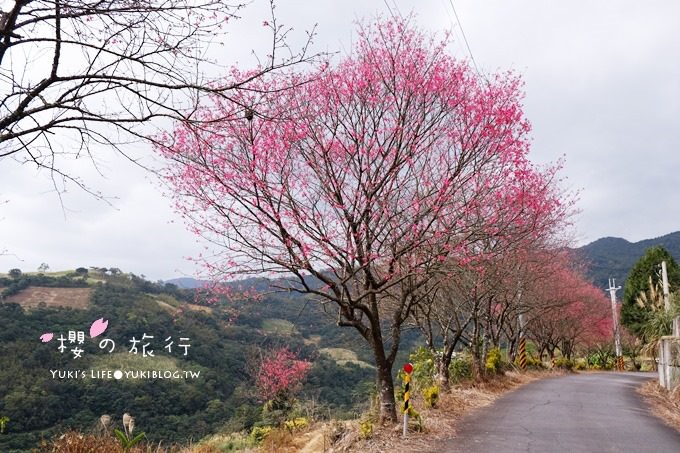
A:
[(665, 405)]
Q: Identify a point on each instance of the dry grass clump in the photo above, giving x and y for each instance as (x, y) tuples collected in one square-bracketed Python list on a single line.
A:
[(664, 404), (200, 448), (278, 440), (75, 442)]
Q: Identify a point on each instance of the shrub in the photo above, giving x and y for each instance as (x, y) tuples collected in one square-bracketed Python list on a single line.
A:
[(423, 367), (493, 361), (580, 364), (431, 395), (533, 362), (415, 421), (601, 357), (259, 433), (296, 424), (366, 428), (460, 368), (648, 366), (564, 363)]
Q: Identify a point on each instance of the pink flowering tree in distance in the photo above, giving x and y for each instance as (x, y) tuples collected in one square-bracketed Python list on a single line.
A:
[(280, 374), (572, 313), (356, 186), (476, 296)]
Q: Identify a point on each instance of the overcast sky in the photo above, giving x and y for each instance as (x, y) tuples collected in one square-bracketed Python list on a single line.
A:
[(602, 83)]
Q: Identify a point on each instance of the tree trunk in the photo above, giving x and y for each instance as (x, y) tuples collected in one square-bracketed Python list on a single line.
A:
[(567, 349), (385, 383), (512, 349), (477, 368), (443, 372), (485, 353)]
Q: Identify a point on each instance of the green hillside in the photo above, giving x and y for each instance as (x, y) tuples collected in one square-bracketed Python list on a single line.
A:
[(44, 391), (614, 257)]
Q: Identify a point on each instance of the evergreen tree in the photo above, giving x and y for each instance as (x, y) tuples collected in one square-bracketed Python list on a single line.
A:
[(646, 270)]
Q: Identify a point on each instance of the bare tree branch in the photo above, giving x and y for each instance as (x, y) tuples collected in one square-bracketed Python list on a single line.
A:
[(80, 73)]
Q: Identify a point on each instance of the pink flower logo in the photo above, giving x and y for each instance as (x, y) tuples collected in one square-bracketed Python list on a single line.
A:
[(98, 327), (46, 337)]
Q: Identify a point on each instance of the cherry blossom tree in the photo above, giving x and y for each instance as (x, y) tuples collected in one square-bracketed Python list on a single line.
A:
[(358, 184), (477, 295), (280, 372), (571, 311)]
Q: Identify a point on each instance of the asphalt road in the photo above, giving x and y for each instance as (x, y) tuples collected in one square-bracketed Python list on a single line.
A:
[(582, 413)]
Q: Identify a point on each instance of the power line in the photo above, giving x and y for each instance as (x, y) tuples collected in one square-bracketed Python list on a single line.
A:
[(462, 32), (390, 8), (394, 2)]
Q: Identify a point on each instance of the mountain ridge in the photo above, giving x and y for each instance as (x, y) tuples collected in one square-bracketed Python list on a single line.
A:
[(606, 257), (613, 257)]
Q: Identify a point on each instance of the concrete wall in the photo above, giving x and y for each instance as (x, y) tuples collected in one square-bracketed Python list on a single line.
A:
[(669, 362)]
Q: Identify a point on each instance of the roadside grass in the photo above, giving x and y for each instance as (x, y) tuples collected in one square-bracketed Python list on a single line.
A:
[(439, 423), (665, 405)]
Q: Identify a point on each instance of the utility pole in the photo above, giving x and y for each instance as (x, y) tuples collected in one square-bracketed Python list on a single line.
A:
[(615, 316), (667, 298), (666, 295)]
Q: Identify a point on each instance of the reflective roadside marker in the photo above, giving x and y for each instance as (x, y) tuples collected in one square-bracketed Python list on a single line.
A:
[(523, 353), (408, 369)]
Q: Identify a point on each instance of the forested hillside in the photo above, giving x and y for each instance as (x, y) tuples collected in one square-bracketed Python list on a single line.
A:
[(614, 257), (41, 398)]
